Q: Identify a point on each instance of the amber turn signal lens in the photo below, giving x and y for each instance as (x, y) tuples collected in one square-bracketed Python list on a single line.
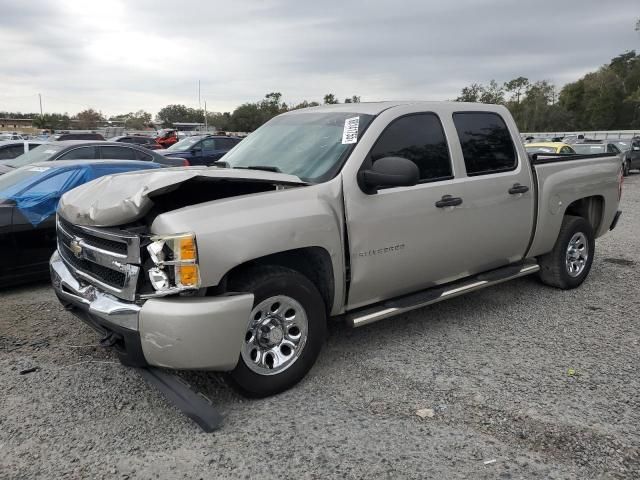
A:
[(187, 248), (188, 275)]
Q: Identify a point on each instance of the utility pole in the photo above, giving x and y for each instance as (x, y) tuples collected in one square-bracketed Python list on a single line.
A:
[(40, 98)]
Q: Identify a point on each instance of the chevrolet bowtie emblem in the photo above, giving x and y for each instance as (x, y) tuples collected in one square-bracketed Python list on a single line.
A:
[(75, 248)]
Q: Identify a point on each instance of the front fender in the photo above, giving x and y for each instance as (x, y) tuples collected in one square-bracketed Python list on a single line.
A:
[(233, 231)]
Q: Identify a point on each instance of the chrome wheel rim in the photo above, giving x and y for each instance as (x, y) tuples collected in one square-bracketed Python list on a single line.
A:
[(276, 335), (577, 254)]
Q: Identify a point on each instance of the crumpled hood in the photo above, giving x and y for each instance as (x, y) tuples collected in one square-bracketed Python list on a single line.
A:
[(118, 199), (5, 169)]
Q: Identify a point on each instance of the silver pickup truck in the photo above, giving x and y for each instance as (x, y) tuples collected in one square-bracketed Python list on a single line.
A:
[(356, 211)]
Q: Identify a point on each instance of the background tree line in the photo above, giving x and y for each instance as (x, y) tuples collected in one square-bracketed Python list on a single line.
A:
[(607, 99), (246, 118)]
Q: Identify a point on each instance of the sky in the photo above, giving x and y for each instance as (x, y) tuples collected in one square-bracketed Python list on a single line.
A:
[(120, 56)]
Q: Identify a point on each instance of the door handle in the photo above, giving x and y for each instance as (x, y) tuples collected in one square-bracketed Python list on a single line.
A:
[(517, 188), (448, 201)]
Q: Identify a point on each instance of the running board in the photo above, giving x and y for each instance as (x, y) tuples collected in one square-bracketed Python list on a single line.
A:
[(194, 405), (423, 298)]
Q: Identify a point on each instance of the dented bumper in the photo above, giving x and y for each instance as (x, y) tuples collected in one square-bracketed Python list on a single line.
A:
[(191, 333)]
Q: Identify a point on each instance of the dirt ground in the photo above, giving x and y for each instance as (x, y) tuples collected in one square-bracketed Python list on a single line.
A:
[(523, 381)]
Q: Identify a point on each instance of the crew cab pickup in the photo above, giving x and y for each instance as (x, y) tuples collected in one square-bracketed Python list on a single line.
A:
[(355, 211)]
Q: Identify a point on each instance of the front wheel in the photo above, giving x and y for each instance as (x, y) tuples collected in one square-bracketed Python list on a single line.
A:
[(284, 333), (569, 263)]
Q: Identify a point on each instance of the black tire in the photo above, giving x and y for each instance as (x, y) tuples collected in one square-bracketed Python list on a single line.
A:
[(266, 282), (626, 168), (553, 269)]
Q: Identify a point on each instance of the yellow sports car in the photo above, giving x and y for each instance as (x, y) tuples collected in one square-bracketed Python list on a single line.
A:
[(548, 147)]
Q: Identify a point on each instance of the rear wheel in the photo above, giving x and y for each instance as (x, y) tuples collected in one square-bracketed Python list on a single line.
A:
[(284, 333), (569, 263), (626, 168)]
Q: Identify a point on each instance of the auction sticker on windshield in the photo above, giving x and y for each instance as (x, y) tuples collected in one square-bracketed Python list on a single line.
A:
[(350, 132)]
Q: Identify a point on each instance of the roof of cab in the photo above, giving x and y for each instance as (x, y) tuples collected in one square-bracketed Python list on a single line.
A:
[(375, 108)]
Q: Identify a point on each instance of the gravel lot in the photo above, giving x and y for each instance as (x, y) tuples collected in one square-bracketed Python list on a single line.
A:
[(544, 382)]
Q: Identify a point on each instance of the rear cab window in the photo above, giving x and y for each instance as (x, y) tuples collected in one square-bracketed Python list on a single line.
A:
[(418, 137), (487, 146)]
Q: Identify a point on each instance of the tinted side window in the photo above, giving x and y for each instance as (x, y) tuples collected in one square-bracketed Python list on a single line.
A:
[(419, 138), (11, 152), (34, 145), (208, 144), (82, 153), (486, 142), (226, 143), (611, 148), (143, 156), (117, 153)]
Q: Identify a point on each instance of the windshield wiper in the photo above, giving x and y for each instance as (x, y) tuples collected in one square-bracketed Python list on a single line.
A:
[(266, 168)]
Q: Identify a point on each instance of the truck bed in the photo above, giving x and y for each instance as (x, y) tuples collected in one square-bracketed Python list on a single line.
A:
[(560, 180)]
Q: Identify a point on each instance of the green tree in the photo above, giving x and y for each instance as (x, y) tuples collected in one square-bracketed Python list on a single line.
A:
[(52, 121), (471, 93), (88, 119), (516, 88), (330, 99), (179, 113), (353, 99), (492, 93), (134, 120)]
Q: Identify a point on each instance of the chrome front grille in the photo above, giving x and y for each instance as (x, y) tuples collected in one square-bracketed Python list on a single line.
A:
[(104, 258)]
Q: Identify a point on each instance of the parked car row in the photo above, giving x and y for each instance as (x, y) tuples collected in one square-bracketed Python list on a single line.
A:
[(628, 150)]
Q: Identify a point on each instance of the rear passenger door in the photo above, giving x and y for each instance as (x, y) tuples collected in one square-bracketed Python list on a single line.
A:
[(209, 152), (497, 213)]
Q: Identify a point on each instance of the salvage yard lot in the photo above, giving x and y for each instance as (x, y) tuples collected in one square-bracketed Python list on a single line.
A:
[(544, 382)]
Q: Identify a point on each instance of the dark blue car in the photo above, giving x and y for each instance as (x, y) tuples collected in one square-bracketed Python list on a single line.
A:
[(201, 149), (29, 198)]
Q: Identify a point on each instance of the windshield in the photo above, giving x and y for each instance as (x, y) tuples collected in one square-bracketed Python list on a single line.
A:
[(15, 181), (586, 149), (39, 154), (622, 145), (540, 149), (184, 145), (307, 145)]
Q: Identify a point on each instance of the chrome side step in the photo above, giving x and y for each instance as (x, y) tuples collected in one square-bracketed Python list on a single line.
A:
[(433, 295)]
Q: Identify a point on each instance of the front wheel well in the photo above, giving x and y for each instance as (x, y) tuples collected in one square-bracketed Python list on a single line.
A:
[(589, 208), (312, 262)]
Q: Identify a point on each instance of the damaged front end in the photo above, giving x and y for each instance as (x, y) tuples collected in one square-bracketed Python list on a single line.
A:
[(143, 290)]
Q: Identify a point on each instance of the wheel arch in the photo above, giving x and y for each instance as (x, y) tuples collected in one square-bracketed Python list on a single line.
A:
[(312, 262), (590, 208)]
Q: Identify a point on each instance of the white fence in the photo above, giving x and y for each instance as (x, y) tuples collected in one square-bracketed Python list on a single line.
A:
[(596, 135)]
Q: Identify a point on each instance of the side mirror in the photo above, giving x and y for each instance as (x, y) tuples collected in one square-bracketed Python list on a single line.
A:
[(389, 172), (196, 151)]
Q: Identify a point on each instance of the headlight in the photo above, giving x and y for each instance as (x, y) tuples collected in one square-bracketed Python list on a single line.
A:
[(176, 260)]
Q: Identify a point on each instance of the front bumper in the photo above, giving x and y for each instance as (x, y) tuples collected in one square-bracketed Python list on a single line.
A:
[(193, 333)]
